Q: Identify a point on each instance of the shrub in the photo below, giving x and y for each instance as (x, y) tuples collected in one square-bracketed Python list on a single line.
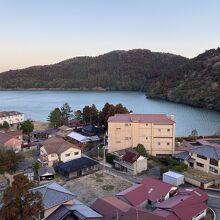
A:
[(141, 150), (109, 158)]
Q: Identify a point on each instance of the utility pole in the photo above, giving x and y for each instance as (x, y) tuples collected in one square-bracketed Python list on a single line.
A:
[(104, 159)]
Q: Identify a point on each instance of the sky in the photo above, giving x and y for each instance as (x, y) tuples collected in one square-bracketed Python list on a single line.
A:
[(39, 32)]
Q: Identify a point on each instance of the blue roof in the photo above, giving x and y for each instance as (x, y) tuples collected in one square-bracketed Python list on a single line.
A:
[(54, 194)]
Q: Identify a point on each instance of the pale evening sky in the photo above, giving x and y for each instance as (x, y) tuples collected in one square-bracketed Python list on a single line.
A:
[(35, 32)]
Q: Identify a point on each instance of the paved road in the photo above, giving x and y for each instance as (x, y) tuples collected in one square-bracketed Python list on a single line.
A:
[(214, 202)]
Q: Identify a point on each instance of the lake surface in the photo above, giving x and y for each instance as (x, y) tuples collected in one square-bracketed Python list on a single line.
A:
[(38, 104)]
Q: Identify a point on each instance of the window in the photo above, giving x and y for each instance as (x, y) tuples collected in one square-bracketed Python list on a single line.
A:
[(213, 170), (53, 155), (118, 141), (168, 130), (201, 157), (146, 138), (67, 155), (168, 143), (146, 124), (159, 130), (158, 143), (213, 162), (118, 128), (126, 124), (126, 138), (199, 164), (76, 153)]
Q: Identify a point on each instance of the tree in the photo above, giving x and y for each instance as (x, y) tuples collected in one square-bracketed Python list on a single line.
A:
[(141, 150), (55, 118), (78, 115), (5, 125), (90, 114), (27, 127), (194, 134), (19, 202), (66, 113)]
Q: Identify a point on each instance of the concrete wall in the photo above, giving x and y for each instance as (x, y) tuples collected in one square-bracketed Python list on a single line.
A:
[(70, 154), (206, 163), (141, 165), (157, 138)]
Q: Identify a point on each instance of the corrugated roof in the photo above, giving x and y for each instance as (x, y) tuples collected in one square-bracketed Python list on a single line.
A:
[(54, 194), (182, 155), (142, 118), (43, 170)]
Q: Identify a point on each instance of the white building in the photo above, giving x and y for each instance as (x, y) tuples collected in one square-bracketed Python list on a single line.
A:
[(12, 117)]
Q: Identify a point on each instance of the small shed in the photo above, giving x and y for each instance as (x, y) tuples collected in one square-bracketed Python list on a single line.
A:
[(173, 178), (46, 173)]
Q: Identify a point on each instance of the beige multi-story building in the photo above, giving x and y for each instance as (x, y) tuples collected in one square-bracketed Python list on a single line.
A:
[(12, 117), (155, 131)]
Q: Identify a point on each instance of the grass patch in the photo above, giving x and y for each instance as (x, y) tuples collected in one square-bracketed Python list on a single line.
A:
[(99, 175), (108, 187)]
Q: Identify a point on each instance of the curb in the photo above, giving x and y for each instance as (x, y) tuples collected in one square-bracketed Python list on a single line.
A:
[(212, 212), (212, 189)]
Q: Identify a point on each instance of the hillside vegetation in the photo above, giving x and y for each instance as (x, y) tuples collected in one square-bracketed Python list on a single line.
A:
[(196, 83), (117, 70)]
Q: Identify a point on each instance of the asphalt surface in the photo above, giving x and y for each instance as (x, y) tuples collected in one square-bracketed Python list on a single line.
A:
[(214, 202)]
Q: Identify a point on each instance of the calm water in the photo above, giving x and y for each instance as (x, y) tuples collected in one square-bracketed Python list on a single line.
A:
[(38, 104)]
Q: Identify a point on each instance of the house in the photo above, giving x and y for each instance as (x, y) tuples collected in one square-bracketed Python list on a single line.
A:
[(155, 131), (56, 149), (186, 204), (63, 131), (75, 124), (201, 155), (91, 130), (12, 117), (26, 167), (149, 192), (111, 207), (44, 134), (130, 161), (61, 204), (80, 138), (11, 140), (77, 167), (46, 173)]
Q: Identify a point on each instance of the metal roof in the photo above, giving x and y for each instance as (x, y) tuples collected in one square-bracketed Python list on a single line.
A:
[(54, 194), (46, 170)]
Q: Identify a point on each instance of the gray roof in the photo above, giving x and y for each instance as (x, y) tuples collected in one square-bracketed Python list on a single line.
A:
[(207, 151), (182, 155), (77, 209), (44, 170), (54, 194)]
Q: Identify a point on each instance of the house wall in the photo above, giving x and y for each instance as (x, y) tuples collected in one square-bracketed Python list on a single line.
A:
[(206, 164), (141, 165), (12, 119), (14, 144), (157, 138), (70, 154)]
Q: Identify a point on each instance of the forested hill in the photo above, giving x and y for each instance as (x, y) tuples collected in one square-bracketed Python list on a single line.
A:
[(195, 83), (117, 70)]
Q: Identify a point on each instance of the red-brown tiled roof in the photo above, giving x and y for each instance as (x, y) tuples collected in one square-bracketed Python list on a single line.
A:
[(6, 136), (130, 156), (142, 118)]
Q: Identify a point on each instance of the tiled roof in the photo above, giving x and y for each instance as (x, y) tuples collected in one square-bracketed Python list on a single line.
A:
[(76, 164), (57, 145), (142, 118), (207, 151), (130, 156), (182, 155), (6, 136), (185, 205), (9, 113), (53, 194)]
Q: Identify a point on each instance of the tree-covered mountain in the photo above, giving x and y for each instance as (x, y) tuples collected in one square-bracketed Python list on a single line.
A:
[(117, 70), (196, 83)]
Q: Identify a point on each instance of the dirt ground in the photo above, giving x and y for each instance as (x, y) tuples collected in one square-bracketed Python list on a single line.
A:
[(96, 185)]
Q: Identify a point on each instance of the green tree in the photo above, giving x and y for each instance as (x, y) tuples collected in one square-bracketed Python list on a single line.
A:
[(27, 127), (78, 115), (66, 113), (5, 125), (194, 134), (141, 150), (19, 202), (90, 114), (54, 118)]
